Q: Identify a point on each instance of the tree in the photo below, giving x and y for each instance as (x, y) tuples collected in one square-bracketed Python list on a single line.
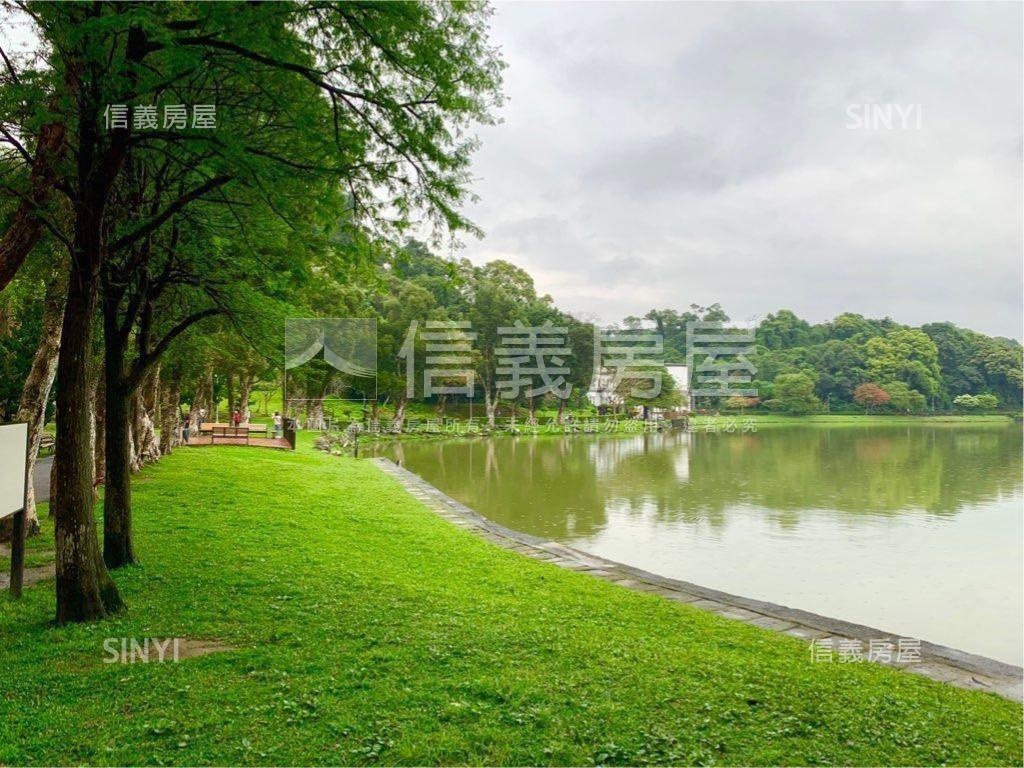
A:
[(672, 327), (35, 394), (581, 364), (985, 401), (29, 220), (840, 367), (783, 330), (739, 403), (905, 355), (904, 399), (380, 95), (870, 395), (499, 294), (1002, 361), (401, 304), (957, 350), (988, 401), (653, 388), (794, 394), (965, 401)]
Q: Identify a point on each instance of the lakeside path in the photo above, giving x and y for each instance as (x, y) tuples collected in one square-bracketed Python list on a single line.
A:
[(354, 626)]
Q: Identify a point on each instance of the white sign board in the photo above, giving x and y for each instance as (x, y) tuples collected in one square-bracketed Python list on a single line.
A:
[(12, 468)]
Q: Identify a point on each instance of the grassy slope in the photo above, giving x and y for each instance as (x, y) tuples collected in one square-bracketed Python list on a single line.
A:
[(368, 630)]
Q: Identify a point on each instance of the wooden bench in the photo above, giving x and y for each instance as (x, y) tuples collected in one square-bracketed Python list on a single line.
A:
[(47, 442), (217, 429)]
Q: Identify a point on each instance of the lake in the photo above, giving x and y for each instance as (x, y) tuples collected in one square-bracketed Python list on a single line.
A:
[(915, 530)]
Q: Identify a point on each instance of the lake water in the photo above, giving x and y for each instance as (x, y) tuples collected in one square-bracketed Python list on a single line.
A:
[(914, 530)]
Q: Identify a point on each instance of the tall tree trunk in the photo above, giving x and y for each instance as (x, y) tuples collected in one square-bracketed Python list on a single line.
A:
[(231, 395), (25, 227), (142, 405), (85, 590), (399, 421), (246, 390), (98, 416), (143, 436), (315, 414), (117, 439), (199, 396), (561, 411), (117, 496), (170, 416), (490, 407), (211, 409), (36, 393), (152, 400)]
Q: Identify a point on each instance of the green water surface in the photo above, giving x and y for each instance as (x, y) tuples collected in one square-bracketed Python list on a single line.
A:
[(912, 529)]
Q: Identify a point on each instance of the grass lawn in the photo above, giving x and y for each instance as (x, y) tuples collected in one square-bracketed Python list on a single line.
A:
[(366, 630), (860, 419)]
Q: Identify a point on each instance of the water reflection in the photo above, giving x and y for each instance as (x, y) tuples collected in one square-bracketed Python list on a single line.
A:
[(563, 487), (911, 529)]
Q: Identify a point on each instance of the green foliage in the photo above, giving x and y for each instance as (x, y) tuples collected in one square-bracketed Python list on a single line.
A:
[(784, 330), (633, 390), (938, 361), (905, 355), (794, 394), (21, 314), (367, 629), (988, 401), (984, 401), (903, 399)]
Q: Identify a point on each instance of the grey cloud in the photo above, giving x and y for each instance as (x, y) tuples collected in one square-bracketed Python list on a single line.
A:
[(665, 153)]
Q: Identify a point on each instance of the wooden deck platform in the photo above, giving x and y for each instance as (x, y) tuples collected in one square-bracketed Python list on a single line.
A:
[(196, 441)]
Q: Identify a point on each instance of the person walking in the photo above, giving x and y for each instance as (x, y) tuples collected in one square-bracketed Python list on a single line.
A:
[(201, 419), (236, 418), (277, 424)]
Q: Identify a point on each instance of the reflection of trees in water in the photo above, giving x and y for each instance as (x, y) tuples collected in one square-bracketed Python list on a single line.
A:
[(545, 485), (875, 470), (565, 487)]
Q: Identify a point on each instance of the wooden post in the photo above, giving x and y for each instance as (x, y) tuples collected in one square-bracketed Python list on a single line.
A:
[(17, 553), (18, 531)]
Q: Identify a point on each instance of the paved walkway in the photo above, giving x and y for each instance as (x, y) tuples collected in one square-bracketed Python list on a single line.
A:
[(946, 665), (41, 478)]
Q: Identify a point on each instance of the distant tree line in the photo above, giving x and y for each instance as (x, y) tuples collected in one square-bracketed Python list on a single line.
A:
[(856, 363)]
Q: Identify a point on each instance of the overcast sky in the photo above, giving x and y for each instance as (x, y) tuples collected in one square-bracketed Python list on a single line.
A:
[(657, 155)]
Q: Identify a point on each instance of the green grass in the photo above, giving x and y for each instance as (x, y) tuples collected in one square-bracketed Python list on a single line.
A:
[(367, 630), (858, 419)]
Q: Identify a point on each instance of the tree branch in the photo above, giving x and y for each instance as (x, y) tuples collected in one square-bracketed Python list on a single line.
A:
[(154, 223), (142, 366)]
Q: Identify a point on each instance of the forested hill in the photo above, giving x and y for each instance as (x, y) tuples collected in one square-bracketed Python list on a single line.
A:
[(929, 366)]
